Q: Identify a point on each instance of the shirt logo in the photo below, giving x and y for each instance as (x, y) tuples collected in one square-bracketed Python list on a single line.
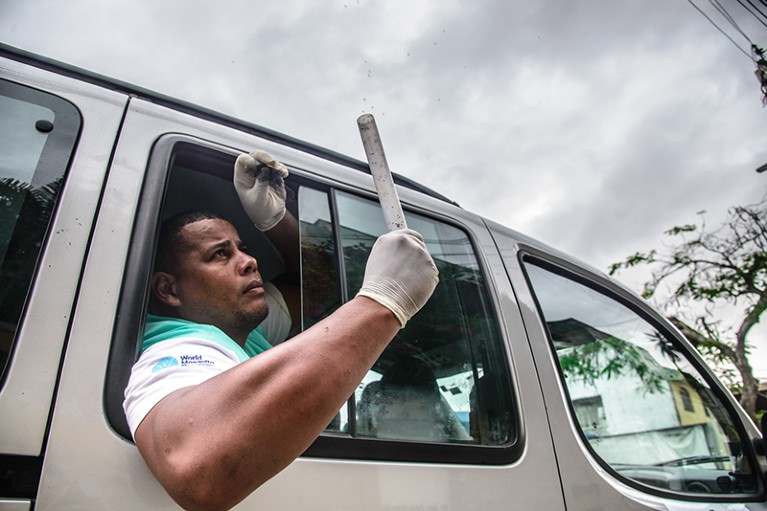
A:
[(195, 360), (165, 363), (182, 361)]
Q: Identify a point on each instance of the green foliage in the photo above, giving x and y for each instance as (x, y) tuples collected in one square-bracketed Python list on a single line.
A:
[(724, 266), (608, 358), (674, 231), (727, 264)]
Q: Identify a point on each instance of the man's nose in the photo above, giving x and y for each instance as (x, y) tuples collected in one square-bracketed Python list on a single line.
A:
[(247, 264)]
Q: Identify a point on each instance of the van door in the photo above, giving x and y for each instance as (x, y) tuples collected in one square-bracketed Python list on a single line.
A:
[(639, 422), (485, 443), (52, 165)]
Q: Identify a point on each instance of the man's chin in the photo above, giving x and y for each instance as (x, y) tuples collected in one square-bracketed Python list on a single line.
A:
[(251, 319)]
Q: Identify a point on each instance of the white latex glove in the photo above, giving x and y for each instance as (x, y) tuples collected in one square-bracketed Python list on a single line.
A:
[(400, 274), (258, 179)]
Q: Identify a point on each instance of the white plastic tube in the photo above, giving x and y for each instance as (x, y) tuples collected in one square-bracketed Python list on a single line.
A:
[(387, 194)]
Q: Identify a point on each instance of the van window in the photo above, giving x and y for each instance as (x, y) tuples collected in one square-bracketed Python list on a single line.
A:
[(37, 136), (641, 404), (452, 347), (444, 378)]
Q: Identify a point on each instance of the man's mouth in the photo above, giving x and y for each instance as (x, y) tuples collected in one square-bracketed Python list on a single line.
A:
[(255, 285)]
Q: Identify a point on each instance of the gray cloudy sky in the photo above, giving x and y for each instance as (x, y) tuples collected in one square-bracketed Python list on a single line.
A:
[(592, 125)]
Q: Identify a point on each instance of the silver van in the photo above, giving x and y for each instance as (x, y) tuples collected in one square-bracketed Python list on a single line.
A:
[(529, 381)]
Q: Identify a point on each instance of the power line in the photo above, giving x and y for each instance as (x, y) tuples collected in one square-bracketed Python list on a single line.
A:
[(760, 2), (757, 9), (757, 55), (729, 18), (758, 17), (719, 29)]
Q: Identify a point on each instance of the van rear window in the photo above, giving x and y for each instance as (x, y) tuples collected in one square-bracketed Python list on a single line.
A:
[(37, 138), (643, 407)]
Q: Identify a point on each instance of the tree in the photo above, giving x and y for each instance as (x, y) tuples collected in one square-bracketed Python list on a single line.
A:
[(724, 266)]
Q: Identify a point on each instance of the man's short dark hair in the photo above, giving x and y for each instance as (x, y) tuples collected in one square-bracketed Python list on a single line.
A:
[(170, 243)]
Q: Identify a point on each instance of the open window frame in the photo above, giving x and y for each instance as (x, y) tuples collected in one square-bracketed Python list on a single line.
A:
[(174, 151)]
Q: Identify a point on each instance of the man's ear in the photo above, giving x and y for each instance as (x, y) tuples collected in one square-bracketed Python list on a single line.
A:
[(164, 288)]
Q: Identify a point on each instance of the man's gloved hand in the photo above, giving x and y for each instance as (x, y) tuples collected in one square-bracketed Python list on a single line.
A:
[(400, 274), (258, 179)]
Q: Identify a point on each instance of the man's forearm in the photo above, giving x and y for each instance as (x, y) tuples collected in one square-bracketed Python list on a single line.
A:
[(212, 444)]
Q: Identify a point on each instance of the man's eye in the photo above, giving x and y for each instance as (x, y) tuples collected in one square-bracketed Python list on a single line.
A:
[(220, 253)]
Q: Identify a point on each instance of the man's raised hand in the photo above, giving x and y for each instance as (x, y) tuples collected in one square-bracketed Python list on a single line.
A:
[(258, 179)]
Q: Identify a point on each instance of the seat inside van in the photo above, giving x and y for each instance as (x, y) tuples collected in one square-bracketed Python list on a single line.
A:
[(406, 404)]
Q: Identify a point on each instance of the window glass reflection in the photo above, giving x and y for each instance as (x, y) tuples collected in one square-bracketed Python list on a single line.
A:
[(641, 404)]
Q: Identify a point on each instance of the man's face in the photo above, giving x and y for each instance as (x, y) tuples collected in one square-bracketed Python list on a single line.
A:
[(217, 282)]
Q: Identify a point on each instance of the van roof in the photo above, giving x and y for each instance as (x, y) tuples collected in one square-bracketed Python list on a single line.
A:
[(71, 71)]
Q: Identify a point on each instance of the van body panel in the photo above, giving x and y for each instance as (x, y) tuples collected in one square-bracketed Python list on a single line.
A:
[(34, 364)]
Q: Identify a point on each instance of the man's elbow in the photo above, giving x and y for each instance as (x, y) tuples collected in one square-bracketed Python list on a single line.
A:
[(201, 481), (203, 501), (194, 488)]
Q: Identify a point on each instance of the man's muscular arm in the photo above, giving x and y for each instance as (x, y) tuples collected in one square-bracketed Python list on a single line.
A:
[(211, 445)]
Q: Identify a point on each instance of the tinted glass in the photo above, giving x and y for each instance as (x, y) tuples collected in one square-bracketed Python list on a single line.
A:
[(639, 401), (320, 281), (444, 377), (37, 136)]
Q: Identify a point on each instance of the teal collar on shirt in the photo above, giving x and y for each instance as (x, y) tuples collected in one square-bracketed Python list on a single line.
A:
[(160, 329)]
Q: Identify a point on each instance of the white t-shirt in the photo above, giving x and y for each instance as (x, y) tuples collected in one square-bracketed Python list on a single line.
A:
[(188, 354)]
